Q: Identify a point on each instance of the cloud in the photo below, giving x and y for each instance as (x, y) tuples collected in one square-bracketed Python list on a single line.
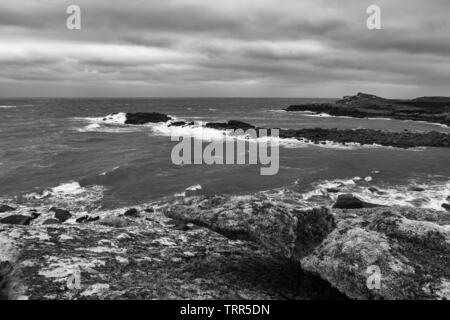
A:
[(231, 47)]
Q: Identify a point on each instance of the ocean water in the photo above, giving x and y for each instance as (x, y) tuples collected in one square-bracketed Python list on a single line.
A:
[(61, 151)]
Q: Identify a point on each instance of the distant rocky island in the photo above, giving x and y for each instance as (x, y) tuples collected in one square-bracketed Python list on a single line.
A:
[(362, 105)]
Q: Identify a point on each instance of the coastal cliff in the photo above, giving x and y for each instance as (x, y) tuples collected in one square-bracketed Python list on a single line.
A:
[(362, 105)]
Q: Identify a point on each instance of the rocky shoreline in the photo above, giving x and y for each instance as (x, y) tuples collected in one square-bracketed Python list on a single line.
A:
[(404, 139), (226, 247), (428, 109)]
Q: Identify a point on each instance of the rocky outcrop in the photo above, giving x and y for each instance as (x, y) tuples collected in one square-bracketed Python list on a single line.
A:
[(349, 201), (430, 109), (291, 231), (230, 125), (405, 139), (145, 259), (409, 247), (140, 118)]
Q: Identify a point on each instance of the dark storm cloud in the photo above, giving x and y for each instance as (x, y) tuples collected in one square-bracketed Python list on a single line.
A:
[(189, 47)]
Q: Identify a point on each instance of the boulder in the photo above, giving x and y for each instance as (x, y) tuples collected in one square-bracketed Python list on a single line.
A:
[(446, 206), (61, 214), (408, 250), (146, 117), (133, 213), (51, 221), (17, 219), (349, 201), (289, 230), (6, 208), (177, 124)]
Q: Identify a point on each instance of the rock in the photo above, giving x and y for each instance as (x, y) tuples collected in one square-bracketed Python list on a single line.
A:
[(333, 190), (417, 189), (177, 124), (412, 254), (149, 210), (349, 201), (410, 247), (61, 214), (446, 206), (134, 213), (146, 117), (17, 219), (230, 125), (362, 105), (51, 221), (161, 263), (6, 282), (35, 214), (6, 208), (292, 231), (85, 219)]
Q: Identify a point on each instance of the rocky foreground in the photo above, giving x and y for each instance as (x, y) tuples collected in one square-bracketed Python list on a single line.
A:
[(429, 109), (226, 247)]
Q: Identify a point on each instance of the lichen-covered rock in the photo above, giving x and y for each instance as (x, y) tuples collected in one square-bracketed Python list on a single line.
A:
[(411, 251), (291, 231), (147, 260)]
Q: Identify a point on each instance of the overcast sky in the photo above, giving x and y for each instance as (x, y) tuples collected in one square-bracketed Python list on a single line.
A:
[(239, 48)]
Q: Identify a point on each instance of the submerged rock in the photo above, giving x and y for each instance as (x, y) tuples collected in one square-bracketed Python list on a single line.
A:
[(146, 117), (446, 206), (349, 201)]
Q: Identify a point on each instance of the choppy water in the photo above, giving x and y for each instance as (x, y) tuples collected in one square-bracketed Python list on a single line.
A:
[(60, 150)]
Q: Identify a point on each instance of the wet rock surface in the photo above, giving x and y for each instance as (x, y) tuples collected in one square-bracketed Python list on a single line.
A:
[(140, 118), (349, 201), (430, 109)]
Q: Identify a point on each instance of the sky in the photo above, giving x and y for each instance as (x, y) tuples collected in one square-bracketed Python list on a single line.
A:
[(226, 48)]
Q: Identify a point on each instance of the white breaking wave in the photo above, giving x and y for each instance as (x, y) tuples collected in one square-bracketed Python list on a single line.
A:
[(69, 195), (433, 196), (8, 107), (115, 123)]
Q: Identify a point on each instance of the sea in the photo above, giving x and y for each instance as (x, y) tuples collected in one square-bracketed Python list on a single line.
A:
[(62, 152)]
